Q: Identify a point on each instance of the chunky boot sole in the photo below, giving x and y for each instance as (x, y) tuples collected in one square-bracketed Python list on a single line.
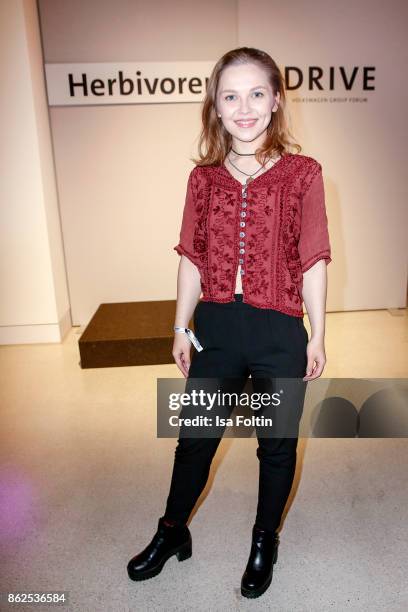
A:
[(252, 593), (182, 553), (256, 592)]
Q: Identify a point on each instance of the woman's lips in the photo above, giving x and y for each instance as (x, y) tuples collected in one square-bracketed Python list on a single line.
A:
[(246, 123)]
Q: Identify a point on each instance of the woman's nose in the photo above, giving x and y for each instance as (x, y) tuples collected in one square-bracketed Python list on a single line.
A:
[(245, 107), (244, 104)]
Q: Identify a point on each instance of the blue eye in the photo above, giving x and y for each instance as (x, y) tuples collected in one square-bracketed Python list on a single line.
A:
[(230, 96)]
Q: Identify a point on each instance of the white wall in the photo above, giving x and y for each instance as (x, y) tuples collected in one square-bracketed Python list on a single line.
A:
[(122, 169), (34, 304), (362, 146)]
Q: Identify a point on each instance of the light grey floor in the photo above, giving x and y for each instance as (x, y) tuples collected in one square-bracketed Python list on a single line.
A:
[(83, 481)]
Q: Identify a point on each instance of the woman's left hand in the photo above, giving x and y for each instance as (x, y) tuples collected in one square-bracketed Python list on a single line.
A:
[(316, 358)]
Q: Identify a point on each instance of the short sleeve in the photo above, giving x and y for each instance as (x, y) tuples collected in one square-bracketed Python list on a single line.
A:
[(314, 242), (188, 223)]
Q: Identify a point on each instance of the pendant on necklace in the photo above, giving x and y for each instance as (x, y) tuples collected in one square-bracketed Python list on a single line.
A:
[(249, 179)]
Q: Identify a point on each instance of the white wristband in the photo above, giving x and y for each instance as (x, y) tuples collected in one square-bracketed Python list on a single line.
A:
[(190, 334)]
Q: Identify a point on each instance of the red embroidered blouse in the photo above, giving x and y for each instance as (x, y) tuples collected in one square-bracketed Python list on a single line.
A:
[(282, 233)]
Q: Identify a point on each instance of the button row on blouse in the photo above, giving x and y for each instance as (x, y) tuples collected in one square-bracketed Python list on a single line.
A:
[(242, 224)]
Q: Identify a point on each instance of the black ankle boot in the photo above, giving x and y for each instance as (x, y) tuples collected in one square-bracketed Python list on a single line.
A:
[(264, 553), (167, 541)]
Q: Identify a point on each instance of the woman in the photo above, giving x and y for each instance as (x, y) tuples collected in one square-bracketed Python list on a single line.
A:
[(254, 241)]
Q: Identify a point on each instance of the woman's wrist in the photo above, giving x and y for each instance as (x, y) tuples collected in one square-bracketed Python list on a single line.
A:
[(184, 325), (319, 336), (190, 334)]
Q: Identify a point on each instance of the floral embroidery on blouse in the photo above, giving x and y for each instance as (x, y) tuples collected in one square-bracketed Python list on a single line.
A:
[(283, 232)]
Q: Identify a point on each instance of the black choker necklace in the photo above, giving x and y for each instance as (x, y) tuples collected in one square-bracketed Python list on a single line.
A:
[(242, 153)]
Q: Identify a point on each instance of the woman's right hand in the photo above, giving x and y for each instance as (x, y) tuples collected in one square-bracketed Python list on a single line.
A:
[(181, 352)]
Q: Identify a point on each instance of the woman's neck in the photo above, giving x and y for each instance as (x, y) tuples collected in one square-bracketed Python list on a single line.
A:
[(248, 165)]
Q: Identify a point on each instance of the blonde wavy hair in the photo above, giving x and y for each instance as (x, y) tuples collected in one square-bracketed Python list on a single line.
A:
[(215, 142)]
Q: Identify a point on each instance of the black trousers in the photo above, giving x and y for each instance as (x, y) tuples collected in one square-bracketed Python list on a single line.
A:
[(241, 340)]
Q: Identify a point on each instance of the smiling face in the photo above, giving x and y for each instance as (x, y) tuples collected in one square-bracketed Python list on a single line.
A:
[(245, 100)]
